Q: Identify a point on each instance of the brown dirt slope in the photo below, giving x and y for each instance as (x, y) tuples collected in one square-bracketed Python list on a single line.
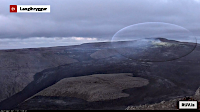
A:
[(17, 67), (96, 87)]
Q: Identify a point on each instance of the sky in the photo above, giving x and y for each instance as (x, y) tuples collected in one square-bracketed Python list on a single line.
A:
[(73, 22)]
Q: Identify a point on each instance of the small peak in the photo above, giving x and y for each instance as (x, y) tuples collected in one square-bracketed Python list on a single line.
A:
[(162, 39)]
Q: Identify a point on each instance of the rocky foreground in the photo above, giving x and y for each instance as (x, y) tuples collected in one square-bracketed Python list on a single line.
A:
[(165, 105), (63, 77)]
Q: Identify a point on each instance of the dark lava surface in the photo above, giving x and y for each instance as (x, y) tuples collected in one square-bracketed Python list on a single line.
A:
[(167, 80)]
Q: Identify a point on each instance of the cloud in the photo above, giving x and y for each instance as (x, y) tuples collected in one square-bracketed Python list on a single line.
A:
[(36, 42), (95, 18), (84, 38)]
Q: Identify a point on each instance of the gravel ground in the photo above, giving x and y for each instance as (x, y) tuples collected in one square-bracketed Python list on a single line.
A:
[(164, 105)]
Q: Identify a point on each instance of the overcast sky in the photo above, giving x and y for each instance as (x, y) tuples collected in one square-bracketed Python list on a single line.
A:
[(78, 21)]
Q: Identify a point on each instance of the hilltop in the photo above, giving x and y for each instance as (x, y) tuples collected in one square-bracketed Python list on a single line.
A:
[(49, 67)]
